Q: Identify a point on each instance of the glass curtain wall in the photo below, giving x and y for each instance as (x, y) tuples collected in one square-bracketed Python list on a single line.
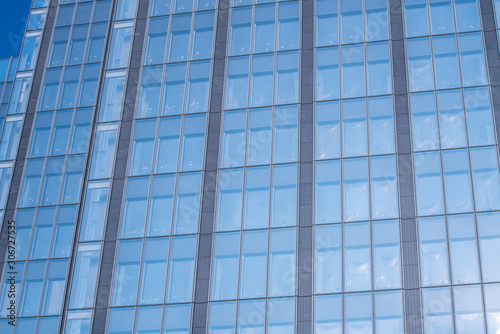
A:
[(357, 261), (152, 289), (52, 178), (8, 68), (254, 261), (456, 166)]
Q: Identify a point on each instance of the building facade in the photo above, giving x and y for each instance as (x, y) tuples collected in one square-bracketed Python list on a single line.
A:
[(203, 166)]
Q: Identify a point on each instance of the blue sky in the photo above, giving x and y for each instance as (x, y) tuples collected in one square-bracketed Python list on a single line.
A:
[(13, 17)]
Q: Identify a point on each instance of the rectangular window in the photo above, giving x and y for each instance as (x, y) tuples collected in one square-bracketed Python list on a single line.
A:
[(198, 87), (437, 319), (463, 249), (202, 35), (489, 245), (173, 91), (187, 205), (328, 259), (389, 312), (141, 158), (69, 87), (85, 276), (94, 212), (354, 128), (282, 263), (103, 152), (230, 200), (60, 135), (328, 192), (328, 314), (486, 178), (356, 190), (241, 19), (357, 257), (156, 41), (127, 271), (327, 73), (327, 22), (284, 196), (179, 38), (237, 83), (420, 65), (31, 182), (77, 45), (54, 287), (257, 193), (167, 148), (193, 143), (386, 255), (161, 205), (112, 96), (384, 187), (41, 134), (254, 264), (287, 77), (327, 130), (429, 183), (358, 313), (225, 267), (433, 251), (259, 136), (233, 138), (149, 95), (285, 134), (120, 45), (181, 271), (262, 80), (135, 207)]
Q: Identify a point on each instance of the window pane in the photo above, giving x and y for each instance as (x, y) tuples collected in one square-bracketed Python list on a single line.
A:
[(143, 147), (256, 198), (389, 312), (94, 212), (60, 136), (479, 121), (381, 124), (356, 190), (240, 31), (328, 314), (254, 264), (379, 68), (187, 204), (288, 26), (262, 80), (149, 96), (264, 28), (353, 71), (287, 77), (358, 313), (489, 242), (420, 65), (328, 259), (386, 255), (285, 134), (225, 267), (198, 87), (282, 263), (156, 43), (177, 319), (103, 153), (433, 251), (112, 97), (222, 317), (193, 143), (179, 37), (429, 184), (357, 257), (327, 73), (175, 80), (451, 119), (284, 196), (41, 134), (492, 302), (237, 83), (127, 273), (161, 205), (457, 181), (354, 125), (203, 35), (54, 287), (84, 277), (485, 176), (230, 200), (154, 271), (327, 130), (180, 281), (120, 46), (259, 136), (281, 316), (424, 122), (328, 193), (135, 207), (167, 148)]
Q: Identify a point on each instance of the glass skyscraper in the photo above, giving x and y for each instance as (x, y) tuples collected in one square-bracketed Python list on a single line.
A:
[(267, 167)]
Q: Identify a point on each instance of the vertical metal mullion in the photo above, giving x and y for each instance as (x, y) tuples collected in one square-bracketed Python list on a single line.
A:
[(205, 247), (405, 172), (305, 170)]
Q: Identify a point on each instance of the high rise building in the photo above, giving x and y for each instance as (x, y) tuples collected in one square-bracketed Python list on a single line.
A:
[(203, 166)]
